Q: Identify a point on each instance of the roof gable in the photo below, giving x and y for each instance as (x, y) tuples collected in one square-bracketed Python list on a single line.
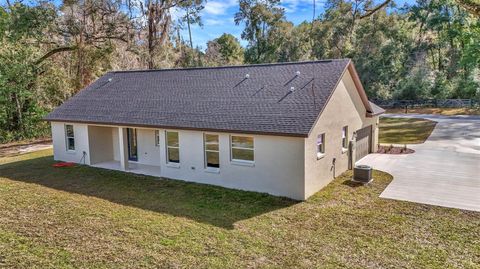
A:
[(215, 99)]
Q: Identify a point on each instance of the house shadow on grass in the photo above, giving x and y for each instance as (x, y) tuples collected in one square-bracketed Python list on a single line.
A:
[(199, 202)]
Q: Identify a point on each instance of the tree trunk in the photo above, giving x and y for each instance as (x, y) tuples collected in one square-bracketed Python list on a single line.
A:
[(151, 35), (17, 116), (189, 30)]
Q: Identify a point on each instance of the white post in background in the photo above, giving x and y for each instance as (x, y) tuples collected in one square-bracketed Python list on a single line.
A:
[(122, 139)]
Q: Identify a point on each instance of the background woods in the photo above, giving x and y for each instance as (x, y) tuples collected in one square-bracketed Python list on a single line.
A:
[(50, 50)]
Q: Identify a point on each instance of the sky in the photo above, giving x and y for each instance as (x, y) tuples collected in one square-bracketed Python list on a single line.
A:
[(217, 17)]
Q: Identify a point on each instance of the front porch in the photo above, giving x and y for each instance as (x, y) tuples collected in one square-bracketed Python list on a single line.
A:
[(124, 149)]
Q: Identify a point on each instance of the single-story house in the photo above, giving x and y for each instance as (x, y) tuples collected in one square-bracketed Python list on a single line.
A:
[(286, 128)]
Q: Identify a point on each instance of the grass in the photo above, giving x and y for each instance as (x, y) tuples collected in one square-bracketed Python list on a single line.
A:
[(404, 130), (92, 218), (440, 111)]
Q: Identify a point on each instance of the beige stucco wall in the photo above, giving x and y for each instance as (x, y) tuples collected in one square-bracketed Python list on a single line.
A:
[(81, 143), (148, 153), (278, 167), (116, 145), (345, 108), (100, 144)]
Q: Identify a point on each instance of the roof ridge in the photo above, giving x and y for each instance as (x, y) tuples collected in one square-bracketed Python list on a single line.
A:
[(231, 66)]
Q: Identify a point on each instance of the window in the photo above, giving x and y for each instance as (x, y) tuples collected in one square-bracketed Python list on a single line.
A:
[(242, 148), (320, 146), (70, 137), (157, 138), (345, 137), (212, 154), (173, 147)]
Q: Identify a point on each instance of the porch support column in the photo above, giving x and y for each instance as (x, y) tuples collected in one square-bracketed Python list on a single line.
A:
[(122, 139)]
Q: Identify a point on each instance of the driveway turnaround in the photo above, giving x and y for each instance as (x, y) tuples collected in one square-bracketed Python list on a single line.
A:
[(443, 171)]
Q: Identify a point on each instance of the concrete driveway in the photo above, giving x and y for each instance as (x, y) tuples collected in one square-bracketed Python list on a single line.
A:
[(443, 171)]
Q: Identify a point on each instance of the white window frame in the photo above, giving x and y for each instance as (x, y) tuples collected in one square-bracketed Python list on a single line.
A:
[(320, 148), (69, 137), (242, 148), (345, 138), (157, 138), (205, 150), (174, 164)]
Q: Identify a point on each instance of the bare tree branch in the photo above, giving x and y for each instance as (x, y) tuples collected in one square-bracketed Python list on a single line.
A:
[(377, 8), (53, 52), (471, 6)]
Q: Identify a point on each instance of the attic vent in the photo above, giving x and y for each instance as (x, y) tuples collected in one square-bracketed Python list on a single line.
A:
[(247, 75), (292, 89), (110, 80), (297, 73)]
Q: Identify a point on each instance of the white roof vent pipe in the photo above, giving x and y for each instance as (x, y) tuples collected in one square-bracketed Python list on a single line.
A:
[(292, 89), (297, 73), (247, 75), (110, 80)]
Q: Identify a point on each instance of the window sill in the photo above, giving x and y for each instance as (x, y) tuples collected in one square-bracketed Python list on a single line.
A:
[(173, 165), (212, 170), (344, 150), (320, 156), (71, 151), (243, 163)]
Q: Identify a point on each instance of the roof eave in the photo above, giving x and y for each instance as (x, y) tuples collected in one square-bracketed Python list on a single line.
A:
[(359, 86), (374, 114), (300, 135)]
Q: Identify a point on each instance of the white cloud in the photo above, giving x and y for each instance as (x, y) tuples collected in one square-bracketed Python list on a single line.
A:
[(210, 22), (219, 7), (291, 6)]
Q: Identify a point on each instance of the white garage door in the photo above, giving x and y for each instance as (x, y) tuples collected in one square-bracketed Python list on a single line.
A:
[(363, 142)]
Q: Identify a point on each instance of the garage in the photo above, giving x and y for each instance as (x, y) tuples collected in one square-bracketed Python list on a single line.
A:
[(363, 142)]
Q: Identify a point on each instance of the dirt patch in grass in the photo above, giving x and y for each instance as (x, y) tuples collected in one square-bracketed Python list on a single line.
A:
[(439, 111), (22, 147), (404, 130), (45, 140), (394, 150), (83, 217)]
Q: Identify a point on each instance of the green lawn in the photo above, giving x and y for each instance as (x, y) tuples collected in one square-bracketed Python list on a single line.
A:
[(93, 218), (404, 130)]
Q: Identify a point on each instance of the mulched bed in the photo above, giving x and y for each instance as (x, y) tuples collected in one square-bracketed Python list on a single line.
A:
[(394, 150)]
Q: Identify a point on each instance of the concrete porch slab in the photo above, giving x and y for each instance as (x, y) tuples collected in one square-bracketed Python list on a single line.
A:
[(133, 167)]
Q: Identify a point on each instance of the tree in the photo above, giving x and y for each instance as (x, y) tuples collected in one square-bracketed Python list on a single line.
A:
[(156, 20), (448, 43), (259, 17), (88, 30), (224, 50), (154, 26), (192, 16), (472, 6), (21, 27)]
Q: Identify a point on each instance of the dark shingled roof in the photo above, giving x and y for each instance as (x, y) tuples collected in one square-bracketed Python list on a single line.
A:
[(215, 99)]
